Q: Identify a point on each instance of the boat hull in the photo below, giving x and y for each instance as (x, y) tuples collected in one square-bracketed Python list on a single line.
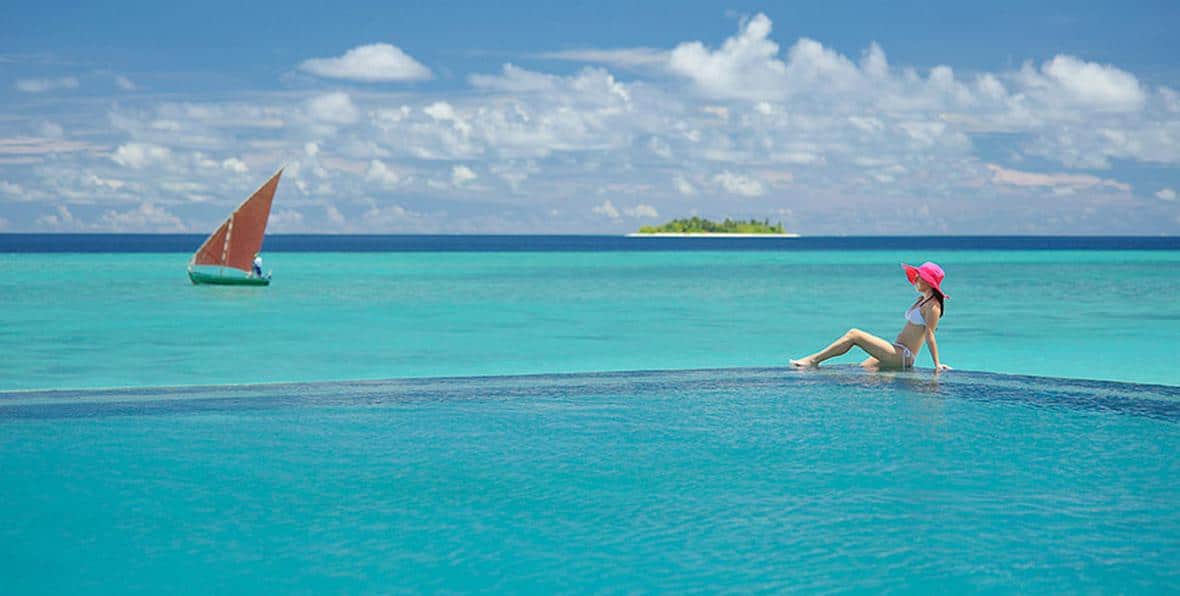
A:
[(199, 278)]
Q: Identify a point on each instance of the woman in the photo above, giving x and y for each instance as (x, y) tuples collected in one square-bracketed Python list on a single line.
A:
[(921, 321)]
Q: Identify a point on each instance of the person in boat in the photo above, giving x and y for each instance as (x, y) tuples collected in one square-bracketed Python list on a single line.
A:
[(921, 320), (257, 265)]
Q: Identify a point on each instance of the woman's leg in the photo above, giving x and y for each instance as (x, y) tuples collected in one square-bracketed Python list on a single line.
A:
[(885, 352)]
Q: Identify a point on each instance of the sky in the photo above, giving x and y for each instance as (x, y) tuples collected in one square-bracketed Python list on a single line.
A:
[(592, 117)]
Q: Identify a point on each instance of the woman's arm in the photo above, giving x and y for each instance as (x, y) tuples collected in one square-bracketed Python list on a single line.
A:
[(932, 315)]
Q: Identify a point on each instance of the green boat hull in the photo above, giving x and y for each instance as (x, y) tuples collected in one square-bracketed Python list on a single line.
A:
[(218, 280)]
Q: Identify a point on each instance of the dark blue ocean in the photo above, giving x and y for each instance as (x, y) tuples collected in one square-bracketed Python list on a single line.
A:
[(528, 243)]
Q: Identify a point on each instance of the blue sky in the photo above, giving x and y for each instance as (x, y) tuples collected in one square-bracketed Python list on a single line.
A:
[(857, 118)]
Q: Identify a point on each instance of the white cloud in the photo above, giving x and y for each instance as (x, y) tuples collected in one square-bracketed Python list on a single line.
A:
[(106, 183), (797, 157), (124, 83), (622, 57), (721, 112), (43, 85), (660, 147), (1082, 83), (333, 108), (1009, 177), (141, 155), (683, 186), (859, 135), (514, 79), (642, 210), (738, 184), (440, 110), (51, 130), (42, 146), (234, 165), (1166, 194), (146, 217), (62, 218), (286, 220), (515, 173), (739, 68), (461, 174), (10, 188), (606, 208), (334, 215), (374, 63), (382, 174), (388, 218)]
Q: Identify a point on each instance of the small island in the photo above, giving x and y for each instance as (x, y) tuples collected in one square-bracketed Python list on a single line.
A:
[(697, 226)]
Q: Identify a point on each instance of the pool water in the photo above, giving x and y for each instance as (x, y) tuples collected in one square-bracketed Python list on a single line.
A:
[(743, 479)]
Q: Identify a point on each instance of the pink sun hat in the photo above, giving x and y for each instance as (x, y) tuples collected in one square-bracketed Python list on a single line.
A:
[(929, 272)]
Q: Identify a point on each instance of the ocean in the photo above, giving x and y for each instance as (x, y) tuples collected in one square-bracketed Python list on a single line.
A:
[(540, 414), (119, 311)]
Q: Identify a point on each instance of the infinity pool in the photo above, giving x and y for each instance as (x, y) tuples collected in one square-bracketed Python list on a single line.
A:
[(743, 479)]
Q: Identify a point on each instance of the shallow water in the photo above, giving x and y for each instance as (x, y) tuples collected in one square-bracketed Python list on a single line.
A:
[(132, 319), (747, 478)]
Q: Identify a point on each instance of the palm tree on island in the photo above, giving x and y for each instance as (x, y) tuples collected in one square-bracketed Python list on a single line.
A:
[(697, 226)]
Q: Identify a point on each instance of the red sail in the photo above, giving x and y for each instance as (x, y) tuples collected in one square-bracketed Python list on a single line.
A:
[(235, 243), (212, 252)]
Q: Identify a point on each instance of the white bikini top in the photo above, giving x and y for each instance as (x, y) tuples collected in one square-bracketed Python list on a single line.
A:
[(914, 315)]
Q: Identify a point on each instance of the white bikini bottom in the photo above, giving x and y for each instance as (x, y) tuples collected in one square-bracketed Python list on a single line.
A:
[(907, 357)]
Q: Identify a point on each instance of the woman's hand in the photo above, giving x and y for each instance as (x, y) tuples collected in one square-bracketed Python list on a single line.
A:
[(942, 367)]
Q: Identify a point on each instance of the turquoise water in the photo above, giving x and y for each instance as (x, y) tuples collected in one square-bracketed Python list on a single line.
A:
[(714, 469), (113, 320), (745, 479)]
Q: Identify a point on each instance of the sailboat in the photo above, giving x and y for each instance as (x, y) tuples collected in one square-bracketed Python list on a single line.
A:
[(227, 255)]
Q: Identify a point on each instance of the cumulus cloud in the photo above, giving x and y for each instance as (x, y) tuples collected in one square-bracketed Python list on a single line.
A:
[(235, 165), (1084, 83), (683, 186), (10, 188), (713, 119), (43, 85), (374, 63), (607, 208), (333, 108), (642, 210), (382, 174), (61, 218), (284, 220), (105, 183), (461, 175), (140, 155), (388, 218), (147, 217), (739, 68), (124, 83), (738, 184), (1166, 194), (334, 215)]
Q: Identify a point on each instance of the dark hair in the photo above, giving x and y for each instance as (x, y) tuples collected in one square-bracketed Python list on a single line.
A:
[(936, 295)]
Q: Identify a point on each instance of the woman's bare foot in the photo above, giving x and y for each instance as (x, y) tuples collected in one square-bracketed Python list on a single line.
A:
[(808, 362)]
